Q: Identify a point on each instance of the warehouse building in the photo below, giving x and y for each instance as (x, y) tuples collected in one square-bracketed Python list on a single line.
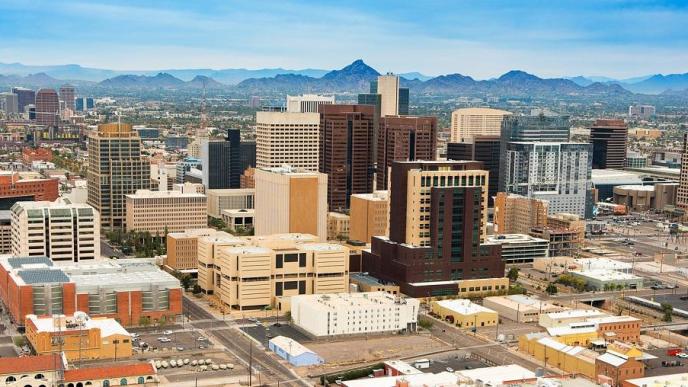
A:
[(464, 313), (603, 279), (520, 248), (520, 308), (294, 352), (354, 313)]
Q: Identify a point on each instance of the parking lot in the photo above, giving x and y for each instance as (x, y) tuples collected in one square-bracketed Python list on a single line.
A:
[(174, 340), (455, 361), (263, 333), (655, 367)]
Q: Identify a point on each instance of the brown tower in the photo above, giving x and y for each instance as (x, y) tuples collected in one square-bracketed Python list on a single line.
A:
[(608, 138)]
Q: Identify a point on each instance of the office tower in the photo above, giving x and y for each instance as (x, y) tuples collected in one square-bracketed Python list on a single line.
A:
[(538, 128), (482, 148), (184, 166), (59, 230), (437, 225), (404, 138), (284, 138), (9, 103), (682, 193), (346, 151), (67, 96), (47, 108), (221, 160), (307, 103), (15, 189), (470, 122), (248, 154), (388, 88), (24, 97), (403, 101), (641, 111), (290, 201), (115, 168), (229, 199), (608, 138), (369, 216), (80, 104), (158, 212), (515, 214)]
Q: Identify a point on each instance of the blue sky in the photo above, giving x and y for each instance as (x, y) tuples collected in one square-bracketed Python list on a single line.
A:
[(481, 38)]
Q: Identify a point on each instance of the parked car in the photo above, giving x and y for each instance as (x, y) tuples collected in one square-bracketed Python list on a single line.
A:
[(167, 332)]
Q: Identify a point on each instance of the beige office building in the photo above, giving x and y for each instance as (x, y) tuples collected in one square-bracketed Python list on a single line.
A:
[(290, 200), (284, 138), (515, 214), (566, 221), (388, 88), (182, 248), (266, 271), (208, 249), (470, 122), (229, 199), (338, 226), (116, 168), (369, 216), (166, 211), (59, 230)]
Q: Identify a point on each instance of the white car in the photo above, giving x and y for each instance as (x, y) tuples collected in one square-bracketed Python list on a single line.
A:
[(202, 339), (682, 355), (166, 332), (164, 339)]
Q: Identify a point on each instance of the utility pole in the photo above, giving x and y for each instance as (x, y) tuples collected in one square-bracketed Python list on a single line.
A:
[(250, 363)]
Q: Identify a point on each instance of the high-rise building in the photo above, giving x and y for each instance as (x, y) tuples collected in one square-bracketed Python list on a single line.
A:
[(25, 97), (608, 138), (287, 139), (59, 230), (515, 214), (247, 150), (158, 212), (307, 103), (482, 148), (682, 192), (346, 151), (388, 88), (290, 201), (437, 225), (404, 138), (221, 160), (67, 96), (641, 111), (9, 103), (116, 168), (470, 122), (184, 166), (47, 108), (369, 216)]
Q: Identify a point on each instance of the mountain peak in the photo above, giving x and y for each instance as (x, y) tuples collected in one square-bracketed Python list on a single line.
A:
[(517, 75), (357, 68)]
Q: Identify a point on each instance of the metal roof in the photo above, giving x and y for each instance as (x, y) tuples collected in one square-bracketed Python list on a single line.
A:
[(17, 262), (43, 276)]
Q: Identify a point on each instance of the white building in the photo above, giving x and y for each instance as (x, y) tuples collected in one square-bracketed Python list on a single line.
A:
[(520, 248), (165, 211), (287, 138), (598, 279), (495, 376), (229, 199), (470, 122), (59, 230), (520, 308), (307, 103), (354, 313)]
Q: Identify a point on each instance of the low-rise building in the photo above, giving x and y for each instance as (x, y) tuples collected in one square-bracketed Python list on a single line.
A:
[(604, 279), (482, 287), (464, 314), (562, 241), (354, 313), (182, 248), (567, 222), (229, 199), (367, 283), (566, 317), (520, 308), (550, 352), (14, 188), (137, 374), (239, 220), (443, 378), (337, 226), (520, 248), (78, 336), (46, 370), (369, 216), (130, 290), (159, 212), (294, 352), (619, 367), (504, 375), (646, 197)]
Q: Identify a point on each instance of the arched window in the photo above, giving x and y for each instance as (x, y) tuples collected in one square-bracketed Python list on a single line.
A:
[(88, 384), (106, 383), (70, 385), (28, 385), (79, 384), (10, 379), (142, 380), (123, 382), (149, 378), (39, 376)]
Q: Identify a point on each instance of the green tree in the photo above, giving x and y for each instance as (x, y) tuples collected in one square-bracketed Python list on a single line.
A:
[(668, 310), (197, 289), (513, 274), (144, 321), (551, 289), (162, 321), (186, 281)]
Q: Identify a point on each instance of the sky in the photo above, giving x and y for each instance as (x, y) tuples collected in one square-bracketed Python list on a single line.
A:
[(480, 38)]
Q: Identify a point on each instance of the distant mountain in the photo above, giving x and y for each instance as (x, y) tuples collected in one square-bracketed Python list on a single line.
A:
[(581, 80), (161, 80), (201, 81), (659, 83), (415, 75), (31, 80)]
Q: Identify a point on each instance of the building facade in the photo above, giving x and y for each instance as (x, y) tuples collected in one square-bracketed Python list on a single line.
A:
[(369, 216), (221, 160), (307, 103), (25, 97), (608, 138), (515, 214), (229, 199), (159, 212), (182, 248), (470, 122), (61, 231), (520, 248), (682, 191), (482, 148), (289, 138), (47, 108), (116, 168), (67, 96), (14, 189)]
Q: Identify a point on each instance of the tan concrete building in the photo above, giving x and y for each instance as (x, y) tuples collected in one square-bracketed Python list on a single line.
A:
[(255, 272), (116, 168), (369, 216), (337, 226), (59, 230), (646, 197), (166, 211), (562, 241), (520, 308), (182, 248), (388, 88), (469, 122), (464, 313), (644, 134), (229, 199), (515, 214), (284, 138), (682, 191), (566, 221), (291, 200)]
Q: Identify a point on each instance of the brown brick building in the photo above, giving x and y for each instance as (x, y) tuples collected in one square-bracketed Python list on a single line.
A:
[(12, 189), (346, 151), (30, 155)]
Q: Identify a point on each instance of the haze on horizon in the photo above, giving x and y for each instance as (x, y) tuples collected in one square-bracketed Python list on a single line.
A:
[(482, 39)]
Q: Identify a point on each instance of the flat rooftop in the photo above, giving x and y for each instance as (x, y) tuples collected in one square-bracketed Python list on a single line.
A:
[(576, 313), (513, 238), (606, 275), (496, 376), (464, 307), (147, 194), (522, 302), (335, 301), (368, 279), (107, 326)]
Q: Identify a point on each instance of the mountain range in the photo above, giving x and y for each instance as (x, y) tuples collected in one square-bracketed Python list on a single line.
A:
[(354, 77)]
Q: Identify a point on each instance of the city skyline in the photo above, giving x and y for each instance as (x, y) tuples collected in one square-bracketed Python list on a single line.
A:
[(615, 38)]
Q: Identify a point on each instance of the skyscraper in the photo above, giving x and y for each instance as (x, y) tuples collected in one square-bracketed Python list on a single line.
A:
[(67, 96), (608, 138), (346, 151), (470, 122), (307, 103), (115, 168), (221, 160), (47, 108), (386, 94), (682, 193), (25, 97), (404, 138), (9, 103), (482, 148), (437, 225), (284, 138)]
